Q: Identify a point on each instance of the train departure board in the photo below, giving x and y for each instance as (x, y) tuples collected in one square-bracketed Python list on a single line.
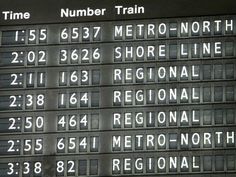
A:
[(124, 88)]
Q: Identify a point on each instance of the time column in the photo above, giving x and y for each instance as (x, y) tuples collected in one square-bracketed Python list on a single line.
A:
[(22, 92)]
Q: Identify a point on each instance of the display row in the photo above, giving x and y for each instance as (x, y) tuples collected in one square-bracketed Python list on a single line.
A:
[(119, 52), (118, 119), (119, 30), (148, 73), (113, 142), (122, 165), (119, 96)]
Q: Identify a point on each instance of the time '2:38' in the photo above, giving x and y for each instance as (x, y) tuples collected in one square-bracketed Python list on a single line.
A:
[(27, 101)]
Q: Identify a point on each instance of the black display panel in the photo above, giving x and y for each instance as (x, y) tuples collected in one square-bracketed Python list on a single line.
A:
[(117, 88)]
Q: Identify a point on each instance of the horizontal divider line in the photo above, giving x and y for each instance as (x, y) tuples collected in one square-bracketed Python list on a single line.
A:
[(159, 40), (121, 85), (120, 130), (225, 59), (126, 107), (123, 153), (121, 20)]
